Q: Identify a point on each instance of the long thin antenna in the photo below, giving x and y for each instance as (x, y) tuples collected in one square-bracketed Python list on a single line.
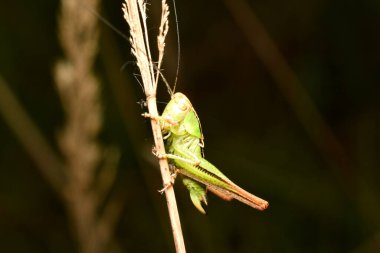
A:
[(120, 33), (106, 22), (171, 92), (178, 45)]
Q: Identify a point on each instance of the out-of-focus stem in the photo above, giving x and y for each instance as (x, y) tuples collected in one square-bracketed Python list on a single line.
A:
[(50, 166)]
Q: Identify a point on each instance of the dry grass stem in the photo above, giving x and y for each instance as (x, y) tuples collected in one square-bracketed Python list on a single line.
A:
[(163, 31), (88, 183), (292, 89), (133, 10), (48, 162), (139, 43)]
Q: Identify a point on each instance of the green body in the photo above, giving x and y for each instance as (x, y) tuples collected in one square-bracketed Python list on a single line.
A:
[(184, 145)]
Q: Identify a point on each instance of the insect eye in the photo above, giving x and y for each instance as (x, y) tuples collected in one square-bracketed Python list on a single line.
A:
[(183, 106), (182, 103)]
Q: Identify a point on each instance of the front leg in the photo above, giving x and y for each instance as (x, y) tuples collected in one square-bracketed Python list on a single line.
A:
[(148, 115), (162, 120)]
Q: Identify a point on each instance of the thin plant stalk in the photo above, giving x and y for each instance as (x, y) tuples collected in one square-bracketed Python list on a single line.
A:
[(290, 86), (135, 15)]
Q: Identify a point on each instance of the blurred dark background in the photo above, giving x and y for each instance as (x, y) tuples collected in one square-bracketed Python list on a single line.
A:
[(289, 108)]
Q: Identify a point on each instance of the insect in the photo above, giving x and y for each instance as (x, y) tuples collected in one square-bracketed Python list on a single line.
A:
[(184, 142)]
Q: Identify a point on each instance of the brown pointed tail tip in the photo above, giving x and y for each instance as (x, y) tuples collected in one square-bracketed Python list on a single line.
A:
[(263, 205)]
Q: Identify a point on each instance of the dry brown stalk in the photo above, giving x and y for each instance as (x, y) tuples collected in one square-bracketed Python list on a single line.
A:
[(87, 183), (292, 89), (28, 134), (133, 10)]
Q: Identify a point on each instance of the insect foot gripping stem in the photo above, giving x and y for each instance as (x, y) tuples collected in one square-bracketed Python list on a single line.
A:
[(148, 115), (173, 176), (158, 155), (166, 186)]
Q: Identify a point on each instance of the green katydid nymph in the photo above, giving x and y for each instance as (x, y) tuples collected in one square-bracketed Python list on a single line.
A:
[(184, 144)]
